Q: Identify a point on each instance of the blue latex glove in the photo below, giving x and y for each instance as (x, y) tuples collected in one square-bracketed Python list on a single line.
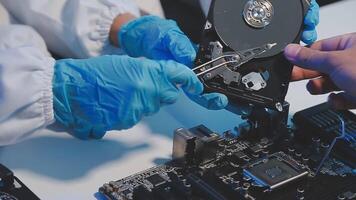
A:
[(310, 22), (156, 38), (211, 101), (92, 96)]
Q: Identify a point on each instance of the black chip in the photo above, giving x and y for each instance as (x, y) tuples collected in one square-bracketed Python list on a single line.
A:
[(227, 169), (273, 173), (156, 179)]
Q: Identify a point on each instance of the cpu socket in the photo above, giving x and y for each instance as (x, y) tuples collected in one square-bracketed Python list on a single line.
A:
[(274, 173)]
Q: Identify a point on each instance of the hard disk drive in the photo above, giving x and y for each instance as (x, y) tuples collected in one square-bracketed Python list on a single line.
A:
[(241, 52)]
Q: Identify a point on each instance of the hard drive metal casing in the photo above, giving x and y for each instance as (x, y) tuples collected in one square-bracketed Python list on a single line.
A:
[(228, 30)]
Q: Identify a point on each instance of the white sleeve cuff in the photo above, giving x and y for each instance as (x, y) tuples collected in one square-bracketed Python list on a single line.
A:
[(26, 72), (47, 92), (21, 37)]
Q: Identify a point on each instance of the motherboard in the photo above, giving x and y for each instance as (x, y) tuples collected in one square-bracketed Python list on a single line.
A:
[(12, 188), (241, 56), (293, 163)]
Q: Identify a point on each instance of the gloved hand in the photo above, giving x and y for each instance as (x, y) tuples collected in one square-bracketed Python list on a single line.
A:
[(92, 96), (211, 101), (310, 22), (156, 38)]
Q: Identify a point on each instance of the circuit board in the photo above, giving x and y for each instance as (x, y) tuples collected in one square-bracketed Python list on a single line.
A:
[(11, 188), (207, 165)]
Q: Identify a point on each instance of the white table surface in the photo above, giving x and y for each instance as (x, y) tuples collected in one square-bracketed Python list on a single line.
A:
[(150, 6), (57, 166)]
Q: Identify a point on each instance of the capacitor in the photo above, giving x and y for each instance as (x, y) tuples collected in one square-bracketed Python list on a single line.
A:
[(245, 187), (341, 197), (316, 144), (298, 154), (291, 150), (246, 159), (300, 193), (305, 159), (324, 147), (187, 185), (265, 153), (256, 155)]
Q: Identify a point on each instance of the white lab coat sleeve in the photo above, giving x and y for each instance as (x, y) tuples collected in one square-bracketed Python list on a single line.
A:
[(72, 28), (26, 72), (5, 17)]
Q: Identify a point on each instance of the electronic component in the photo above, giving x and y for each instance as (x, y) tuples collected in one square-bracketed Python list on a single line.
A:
[(329, 148), (241, 52), (321, 124), (11, 188), (274, 172), (250, 166), (156, 179)]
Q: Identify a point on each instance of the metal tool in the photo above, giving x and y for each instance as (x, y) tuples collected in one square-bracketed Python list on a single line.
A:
[(237, 58)]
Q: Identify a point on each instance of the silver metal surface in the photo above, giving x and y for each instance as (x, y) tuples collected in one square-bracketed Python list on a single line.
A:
[(230, 76), (208, 69), (258, 13), (254, 81), (180, 143), (289, 180), (208, 25), (279, 107)]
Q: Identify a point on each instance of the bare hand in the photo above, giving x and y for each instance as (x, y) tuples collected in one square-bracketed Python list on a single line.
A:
[(331, 66)]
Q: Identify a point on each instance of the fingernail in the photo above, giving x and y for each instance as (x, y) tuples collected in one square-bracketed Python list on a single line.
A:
[(310, 87), (291, 51), (332, 101)]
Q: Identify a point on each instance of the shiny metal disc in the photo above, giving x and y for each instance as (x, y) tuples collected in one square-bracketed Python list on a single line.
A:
[(258, 13), (239, 33)]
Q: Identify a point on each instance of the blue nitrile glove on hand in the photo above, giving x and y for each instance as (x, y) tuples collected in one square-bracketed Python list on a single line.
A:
[(156, 38), (160, 39), (92, 96), (310, 22)]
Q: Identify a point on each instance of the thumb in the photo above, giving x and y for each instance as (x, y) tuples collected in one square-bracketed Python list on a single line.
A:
[(308, 58)]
